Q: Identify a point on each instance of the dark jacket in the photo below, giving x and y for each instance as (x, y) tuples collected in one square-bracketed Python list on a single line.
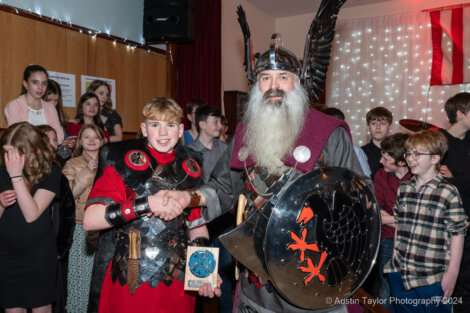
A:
[(63, 218)]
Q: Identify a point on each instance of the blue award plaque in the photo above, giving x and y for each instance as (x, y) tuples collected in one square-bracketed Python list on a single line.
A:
[(201, 267)]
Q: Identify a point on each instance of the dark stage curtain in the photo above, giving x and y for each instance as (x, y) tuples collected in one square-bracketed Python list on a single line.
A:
[(199, 64)]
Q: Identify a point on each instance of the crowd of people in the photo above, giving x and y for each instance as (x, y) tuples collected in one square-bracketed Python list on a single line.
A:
[(91, 223)]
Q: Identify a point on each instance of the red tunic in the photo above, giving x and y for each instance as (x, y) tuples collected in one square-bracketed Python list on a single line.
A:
[(116, 298)]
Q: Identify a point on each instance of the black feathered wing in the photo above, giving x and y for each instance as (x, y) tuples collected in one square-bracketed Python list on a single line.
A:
[(249, 58), (318, 47)]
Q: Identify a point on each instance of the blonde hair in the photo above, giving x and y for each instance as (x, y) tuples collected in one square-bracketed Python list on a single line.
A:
[(431, 140), (30, 142), (162, 109), (78, 147)]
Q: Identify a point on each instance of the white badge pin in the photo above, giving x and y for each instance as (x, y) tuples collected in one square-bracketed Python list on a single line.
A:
[(302, 154)]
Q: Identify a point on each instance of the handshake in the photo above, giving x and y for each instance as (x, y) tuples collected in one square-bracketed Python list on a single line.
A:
[(168, 204)]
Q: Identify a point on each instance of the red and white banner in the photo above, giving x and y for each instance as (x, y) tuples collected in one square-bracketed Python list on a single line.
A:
[(451, 46)]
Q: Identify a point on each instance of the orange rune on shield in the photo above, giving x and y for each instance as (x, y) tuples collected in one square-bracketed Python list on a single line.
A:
[(300, 244)]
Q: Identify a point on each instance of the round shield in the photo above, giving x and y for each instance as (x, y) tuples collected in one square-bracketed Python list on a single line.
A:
[(322, 238)]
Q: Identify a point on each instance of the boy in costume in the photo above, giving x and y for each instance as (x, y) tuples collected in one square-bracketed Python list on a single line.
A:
[(148, 240)]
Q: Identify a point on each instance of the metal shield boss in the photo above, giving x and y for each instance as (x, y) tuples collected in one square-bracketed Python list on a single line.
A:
[(318, 241)]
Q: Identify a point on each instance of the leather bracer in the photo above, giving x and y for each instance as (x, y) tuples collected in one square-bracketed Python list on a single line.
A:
[(119, 214)]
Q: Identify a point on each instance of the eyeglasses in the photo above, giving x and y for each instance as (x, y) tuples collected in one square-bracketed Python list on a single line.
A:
[(415, 155)]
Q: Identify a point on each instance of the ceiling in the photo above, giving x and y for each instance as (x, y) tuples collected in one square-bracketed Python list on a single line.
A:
[(283, 8)]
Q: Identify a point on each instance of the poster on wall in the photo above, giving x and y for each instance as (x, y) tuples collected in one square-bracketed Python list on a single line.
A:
[(86, 81), (67, 86)]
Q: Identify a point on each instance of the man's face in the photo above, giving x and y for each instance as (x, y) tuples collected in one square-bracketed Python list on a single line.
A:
[(211, 127), (162, 136), (273, 81), (378, 129)]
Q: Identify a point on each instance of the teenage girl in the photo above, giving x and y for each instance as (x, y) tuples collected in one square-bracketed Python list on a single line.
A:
[(29, 181), (80, 171), (88, 112), (111, 119), (29, 106), (191, 134)]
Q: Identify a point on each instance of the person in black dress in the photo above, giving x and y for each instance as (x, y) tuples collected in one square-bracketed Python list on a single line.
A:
[(111, 119), (29, 181)]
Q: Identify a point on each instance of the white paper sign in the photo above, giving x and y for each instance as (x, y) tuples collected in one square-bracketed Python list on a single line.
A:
[(86, 81), (67, 85)]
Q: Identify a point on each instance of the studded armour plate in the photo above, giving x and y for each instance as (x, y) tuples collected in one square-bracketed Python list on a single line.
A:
[(161, 241), (163, 244)]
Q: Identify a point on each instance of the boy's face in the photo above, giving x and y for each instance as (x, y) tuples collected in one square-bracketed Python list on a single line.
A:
[(388, 163), (378, 129), (424, 164), (162, 136), (211, 127)]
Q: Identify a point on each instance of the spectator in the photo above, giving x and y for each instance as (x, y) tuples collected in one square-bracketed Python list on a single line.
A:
[(111, 119), (28, 253), (379, 120), (386, 183), (191, 134), (87, 113), (80, 172), (456, 169), (430, 228), (29, 106)]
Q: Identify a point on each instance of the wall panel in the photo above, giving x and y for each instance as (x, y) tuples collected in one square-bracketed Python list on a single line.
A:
[(139, 75)]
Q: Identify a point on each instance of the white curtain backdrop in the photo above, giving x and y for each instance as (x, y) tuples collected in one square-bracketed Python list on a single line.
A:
[(385, 61)]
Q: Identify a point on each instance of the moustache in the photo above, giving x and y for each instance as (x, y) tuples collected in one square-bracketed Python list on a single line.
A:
[(273, 93)]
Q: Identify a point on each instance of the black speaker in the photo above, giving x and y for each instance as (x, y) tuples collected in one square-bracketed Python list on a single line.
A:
[(169, 21)]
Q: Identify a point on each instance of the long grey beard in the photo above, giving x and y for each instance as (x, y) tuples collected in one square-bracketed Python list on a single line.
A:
[(272, 130)]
